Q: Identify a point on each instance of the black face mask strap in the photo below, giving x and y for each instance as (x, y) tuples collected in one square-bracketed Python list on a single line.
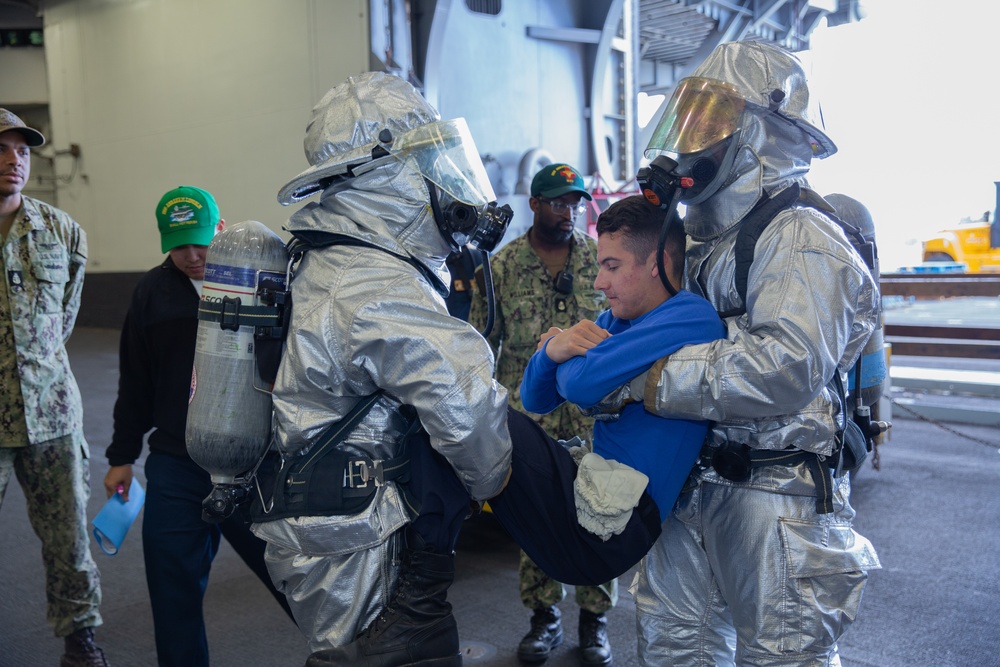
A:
[(438, 215), (662, 187), (662, 243)]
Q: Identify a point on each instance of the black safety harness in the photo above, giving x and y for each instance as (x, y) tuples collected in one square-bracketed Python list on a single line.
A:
[(327, 480)]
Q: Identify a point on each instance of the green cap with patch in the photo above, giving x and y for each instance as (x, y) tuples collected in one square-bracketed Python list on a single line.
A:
[(556, 180), (186, 216)]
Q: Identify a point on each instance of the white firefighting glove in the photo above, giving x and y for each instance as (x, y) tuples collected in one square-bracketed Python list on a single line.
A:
[(606, 492)]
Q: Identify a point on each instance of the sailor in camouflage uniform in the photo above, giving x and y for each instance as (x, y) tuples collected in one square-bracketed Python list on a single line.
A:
[(44, 253), (542, 279)]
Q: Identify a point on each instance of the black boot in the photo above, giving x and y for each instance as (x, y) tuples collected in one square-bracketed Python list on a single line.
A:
[(595, 649), (546, 633), (81, 651), (416, 627)]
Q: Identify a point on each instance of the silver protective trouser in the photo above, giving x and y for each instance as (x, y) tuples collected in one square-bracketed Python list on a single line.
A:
[(749, 574), (337, 572)]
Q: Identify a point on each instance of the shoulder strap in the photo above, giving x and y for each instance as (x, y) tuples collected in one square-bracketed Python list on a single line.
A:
[(751, 227), (306, 240), (865, 247), (340, 429)]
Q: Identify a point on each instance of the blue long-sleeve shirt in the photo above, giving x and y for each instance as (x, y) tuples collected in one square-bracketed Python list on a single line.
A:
[(663, 449)]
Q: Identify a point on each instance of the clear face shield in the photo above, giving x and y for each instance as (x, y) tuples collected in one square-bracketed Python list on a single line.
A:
[(445, 154)]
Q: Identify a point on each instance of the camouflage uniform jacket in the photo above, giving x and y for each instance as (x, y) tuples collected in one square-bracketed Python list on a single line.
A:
[(527, 305), (44, 258)]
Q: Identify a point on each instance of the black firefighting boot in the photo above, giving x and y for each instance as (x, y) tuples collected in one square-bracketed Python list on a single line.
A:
[(416, 627), (546, 633), (595, 649), (81, 651)]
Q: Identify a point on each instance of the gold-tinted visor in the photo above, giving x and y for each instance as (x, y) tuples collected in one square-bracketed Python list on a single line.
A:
[(445, 154), (701, 113)]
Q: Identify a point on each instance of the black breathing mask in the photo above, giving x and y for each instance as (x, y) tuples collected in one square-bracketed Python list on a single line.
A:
[(662, 186), (705, 170), (463, 224), (481, 227)]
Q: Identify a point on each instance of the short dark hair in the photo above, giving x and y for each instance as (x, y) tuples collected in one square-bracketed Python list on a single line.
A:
[(640, 223)]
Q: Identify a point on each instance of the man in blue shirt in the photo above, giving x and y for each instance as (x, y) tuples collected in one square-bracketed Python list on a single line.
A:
[(581, 365), (585, 362)]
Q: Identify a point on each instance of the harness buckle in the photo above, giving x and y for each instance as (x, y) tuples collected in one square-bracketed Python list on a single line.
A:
[(365, 471), (229, 318)]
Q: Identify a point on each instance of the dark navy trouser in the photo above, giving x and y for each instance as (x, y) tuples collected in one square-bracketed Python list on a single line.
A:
[(178, 547), (537, 508)]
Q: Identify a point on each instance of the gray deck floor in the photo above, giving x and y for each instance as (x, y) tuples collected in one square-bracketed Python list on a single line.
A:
[(933, 513)]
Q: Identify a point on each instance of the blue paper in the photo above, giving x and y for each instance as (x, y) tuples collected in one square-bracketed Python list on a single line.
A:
[(113, 521)]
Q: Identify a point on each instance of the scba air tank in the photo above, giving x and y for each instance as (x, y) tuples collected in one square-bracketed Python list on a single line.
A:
[(229, 411), (871, 366)]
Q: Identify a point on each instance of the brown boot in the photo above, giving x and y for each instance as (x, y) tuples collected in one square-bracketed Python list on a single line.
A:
[(81, 651)]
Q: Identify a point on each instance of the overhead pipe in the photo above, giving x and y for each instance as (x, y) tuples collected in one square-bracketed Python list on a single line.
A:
[(533, 160)]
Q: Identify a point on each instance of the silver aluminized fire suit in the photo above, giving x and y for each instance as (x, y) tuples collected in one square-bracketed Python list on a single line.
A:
[(364, 319), (750, 571)]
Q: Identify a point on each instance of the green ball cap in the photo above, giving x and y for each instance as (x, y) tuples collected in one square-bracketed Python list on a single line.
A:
[(186, 216), (556, 180)]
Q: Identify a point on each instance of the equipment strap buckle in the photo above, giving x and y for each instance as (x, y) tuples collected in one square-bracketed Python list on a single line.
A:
[(359, 472), (230, 318)]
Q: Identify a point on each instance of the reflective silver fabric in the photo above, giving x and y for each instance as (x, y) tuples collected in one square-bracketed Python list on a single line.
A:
[(370, 102), (336, 572), (363, 319), (750, 574), (811, 303), (790, 613), (757, 69)]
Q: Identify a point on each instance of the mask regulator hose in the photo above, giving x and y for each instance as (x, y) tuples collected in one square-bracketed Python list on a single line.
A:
[(491, 301), (461, 224), (661, 186)]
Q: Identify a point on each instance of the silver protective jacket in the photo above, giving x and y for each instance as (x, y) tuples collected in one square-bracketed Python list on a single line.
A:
[(367, 318), (811, 304)]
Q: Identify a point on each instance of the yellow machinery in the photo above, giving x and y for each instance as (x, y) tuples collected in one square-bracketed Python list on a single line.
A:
[(976, 244)]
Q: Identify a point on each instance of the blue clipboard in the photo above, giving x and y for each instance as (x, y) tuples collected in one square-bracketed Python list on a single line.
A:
[(113, 521)]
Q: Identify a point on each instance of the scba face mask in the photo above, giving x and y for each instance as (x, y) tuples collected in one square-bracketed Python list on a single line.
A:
[(699, 130), (463, 224), (461, 195), (707, 170)]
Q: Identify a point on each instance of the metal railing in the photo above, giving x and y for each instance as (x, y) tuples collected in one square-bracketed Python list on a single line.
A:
[(940, 285), (942, 340)]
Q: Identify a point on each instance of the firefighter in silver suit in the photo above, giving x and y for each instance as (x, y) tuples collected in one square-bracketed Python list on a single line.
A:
[(762, 568), (400, 189)]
